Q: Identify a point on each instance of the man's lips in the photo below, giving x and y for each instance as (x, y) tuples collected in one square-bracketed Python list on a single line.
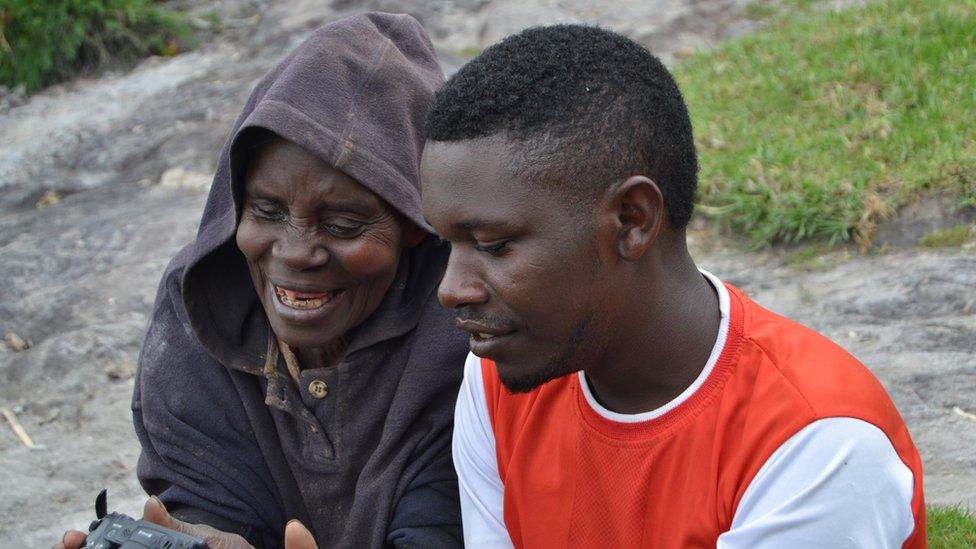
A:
[(487, 340), (483, 332)]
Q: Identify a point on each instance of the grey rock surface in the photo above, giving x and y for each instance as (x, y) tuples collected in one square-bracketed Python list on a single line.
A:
[(80, 273)]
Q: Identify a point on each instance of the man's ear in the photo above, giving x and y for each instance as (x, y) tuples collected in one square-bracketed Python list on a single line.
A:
[(636, 210)]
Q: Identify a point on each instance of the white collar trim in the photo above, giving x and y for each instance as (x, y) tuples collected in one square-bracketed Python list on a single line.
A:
[(723, 333)]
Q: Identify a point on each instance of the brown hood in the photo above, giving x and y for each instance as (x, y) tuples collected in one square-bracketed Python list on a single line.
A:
[(355, 94)]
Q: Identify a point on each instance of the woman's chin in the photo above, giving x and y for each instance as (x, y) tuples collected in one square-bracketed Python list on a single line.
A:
[(299, 338), (306, 329)]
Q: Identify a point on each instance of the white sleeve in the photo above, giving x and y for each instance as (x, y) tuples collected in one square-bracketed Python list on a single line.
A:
[(836, 483), (481, 488)]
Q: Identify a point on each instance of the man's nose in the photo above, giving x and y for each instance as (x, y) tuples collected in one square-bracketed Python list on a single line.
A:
[(461, 284), (299, 250)]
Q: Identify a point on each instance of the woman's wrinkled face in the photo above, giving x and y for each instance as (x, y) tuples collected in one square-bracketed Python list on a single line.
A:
[(322, 249)]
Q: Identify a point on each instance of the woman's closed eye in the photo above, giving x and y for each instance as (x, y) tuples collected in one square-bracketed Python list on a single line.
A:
[(268, 211), (344, 229), (273, 212)]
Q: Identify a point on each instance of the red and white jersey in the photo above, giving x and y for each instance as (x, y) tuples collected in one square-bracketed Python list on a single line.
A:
[(784, 440)]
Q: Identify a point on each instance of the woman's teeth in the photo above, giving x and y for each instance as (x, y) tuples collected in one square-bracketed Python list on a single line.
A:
[(302, 300), (302, 303)]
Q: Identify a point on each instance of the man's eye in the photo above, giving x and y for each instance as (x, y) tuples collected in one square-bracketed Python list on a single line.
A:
[(493, 248)]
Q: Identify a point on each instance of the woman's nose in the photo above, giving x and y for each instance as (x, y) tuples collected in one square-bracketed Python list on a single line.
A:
[(299, 250), (461, 285)]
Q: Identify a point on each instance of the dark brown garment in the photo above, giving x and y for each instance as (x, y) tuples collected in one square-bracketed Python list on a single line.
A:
[(360, 451)]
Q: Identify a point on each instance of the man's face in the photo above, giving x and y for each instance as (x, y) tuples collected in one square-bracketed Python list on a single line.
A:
[(522, 272)]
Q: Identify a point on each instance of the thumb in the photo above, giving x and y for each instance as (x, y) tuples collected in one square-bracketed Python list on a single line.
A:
[(298, 537), (154, 511)]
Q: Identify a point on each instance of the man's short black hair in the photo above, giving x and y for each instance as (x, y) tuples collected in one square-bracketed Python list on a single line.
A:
[(587, 107)]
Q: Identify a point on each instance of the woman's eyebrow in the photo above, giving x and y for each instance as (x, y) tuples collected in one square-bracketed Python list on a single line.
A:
[(350, 206), (331, 205), (261, 195)]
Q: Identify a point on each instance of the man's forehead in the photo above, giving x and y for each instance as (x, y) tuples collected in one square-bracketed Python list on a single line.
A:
[(482, 157), (468, 186), (460, 169)]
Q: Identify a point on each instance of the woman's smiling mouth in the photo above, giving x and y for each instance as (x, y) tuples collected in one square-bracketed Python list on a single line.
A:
[(303, 300), (304, 305)]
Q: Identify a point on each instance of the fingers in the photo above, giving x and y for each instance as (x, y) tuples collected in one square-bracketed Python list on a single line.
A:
[(72, 539), (154, 511), (298, 537)]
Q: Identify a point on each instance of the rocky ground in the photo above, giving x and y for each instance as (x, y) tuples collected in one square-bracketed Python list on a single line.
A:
[(102, 180)]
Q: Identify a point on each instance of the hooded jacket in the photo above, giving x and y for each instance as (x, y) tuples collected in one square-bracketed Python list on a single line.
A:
[(228, 438)]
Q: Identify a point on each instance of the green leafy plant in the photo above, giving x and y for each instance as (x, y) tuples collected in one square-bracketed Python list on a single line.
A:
[(42, 42)]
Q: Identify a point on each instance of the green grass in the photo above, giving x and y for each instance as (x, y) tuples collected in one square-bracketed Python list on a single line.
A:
[(815, 256), (42, 42), (470, 51), (822, 125), (951, 528), (761, 10), (953, 236)]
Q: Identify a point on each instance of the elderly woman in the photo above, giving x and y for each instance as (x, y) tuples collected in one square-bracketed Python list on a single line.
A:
[(298, 365)]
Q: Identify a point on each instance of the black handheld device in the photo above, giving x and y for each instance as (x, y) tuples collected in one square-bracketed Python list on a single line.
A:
[(118, 531)]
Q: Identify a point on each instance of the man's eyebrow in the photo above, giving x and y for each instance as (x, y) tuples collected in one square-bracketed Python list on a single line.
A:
[(478, 223)]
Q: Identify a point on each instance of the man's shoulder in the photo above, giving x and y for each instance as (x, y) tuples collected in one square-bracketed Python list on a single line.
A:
[(818, 372)]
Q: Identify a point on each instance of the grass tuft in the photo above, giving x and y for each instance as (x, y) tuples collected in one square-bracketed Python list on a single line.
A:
[(761, 10), (822, 125), (950, 527), (953, 236), (815, 256)]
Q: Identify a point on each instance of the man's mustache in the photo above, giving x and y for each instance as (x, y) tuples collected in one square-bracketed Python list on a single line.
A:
[(488, 320)]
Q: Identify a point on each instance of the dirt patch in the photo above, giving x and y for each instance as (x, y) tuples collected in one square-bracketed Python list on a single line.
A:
[(926, 214)]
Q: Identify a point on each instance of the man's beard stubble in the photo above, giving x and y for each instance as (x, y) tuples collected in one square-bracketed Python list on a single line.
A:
[(585, 343)]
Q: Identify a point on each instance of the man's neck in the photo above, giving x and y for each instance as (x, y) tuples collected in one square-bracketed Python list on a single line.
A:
[(666, 346)]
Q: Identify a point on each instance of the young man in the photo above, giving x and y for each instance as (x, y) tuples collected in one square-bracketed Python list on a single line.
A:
[(624, 397)]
